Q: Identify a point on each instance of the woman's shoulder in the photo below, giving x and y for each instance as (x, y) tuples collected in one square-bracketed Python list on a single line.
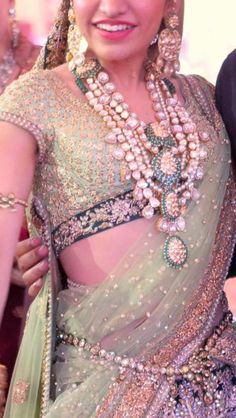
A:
[(33, 84), (55, 86), (34, 77), (198, 87), (26, 103), (197, 80), (202, 93)]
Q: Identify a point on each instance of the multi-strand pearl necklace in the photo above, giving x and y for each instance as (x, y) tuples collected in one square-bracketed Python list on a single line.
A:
[(7, 66), (163, 159)]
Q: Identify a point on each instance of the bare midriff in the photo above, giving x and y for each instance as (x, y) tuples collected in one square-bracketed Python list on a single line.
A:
[(90, 260)]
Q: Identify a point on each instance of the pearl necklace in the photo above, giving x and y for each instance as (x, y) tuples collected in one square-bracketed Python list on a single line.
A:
[(7, 66), (163, 159)]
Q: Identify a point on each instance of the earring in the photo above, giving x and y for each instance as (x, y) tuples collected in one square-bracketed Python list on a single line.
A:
[(14, 27), (154, 41), (77, 44), (169, 46)]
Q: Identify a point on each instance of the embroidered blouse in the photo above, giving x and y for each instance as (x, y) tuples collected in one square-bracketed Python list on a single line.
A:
[(83, 188)]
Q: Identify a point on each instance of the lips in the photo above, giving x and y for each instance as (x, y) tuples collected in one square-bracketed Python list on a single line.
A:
[(114, 26)]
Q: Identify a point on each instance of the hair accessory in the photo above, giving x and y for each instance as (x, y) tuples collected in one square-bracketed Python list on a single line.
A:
[(77, 44), (169, 46), (10, 201)]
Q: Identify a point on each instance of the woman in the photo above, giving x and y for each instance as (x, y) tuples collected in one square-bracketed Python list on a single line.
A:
[(132, 320), (17, 55)]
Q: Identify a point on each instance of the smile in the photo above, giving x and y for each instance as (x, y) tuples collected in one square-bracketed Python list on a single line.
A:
[(114, 28)]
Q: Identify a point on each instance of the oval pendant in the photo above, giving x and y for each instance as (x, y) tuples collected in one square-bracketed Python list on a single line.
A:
[(175, 252), (158, 140), (170, 205), (167, 168)]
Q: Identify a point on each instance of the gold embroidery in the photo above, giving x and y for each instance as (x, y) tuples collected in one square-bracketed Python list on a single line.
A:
[(20, 392), (106, 215)]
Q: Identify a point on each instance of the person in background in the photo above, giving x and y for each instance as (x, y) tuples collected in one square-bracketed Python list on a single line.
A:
[(226, 97), (17, 56), (134, 196), (225, 94)]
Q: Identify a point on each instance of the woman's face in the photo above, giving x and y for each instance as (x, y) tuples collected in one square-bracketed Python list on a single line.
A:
[(5, 5), (119, 29)]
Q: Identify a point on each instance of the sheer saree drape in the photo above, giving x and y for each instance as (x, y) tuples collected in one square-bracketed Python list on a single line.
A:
[(142, 309)]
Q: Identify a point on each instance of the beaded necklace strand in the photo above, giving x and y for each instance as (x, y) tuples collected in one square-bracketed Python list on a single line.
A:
[(163, 159)]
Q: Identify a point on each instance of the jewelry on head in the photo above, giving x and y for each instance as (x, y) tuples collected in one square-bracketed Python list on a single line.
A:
[(10, 201)]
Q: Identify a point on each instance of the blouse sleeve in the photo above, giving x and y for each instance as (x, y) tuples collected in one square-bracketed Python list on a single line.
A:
[(26, 104)]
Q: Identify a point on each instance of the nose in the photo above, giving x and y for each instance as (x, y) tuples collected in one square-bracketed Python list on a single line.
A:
[(113, 8)]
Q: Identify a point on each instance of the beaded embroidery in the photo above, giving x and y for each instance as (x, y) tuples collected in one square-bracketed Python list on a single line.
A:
[(105, 215), (197, 370), (20, 393)]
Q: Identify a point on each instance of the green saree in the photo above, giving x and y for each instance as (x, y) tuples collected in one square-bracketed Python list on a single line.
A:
[(150, 341), (145, 321)]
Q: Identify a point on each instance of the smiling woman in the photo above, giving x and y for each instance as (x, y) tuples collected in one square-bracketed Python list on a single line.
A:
[(134, 196), (112, 43)]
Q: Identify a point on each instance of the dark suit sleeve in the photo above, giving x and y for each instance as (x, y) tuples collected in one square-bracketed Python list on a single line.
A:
[(226, 97), (226, 104)]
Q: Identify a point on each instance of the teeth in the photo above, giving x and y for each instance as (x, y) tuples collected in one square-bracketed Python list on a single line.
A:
[(113, 28)]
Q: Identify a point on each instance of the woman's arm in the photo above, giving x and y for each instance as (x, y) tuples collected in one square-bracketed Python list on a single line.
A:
[(17, 165)]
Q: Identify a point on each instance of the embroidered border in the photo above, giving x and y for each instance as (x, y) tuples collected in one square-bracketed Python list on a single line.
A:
[(105, 215), (22, 122)]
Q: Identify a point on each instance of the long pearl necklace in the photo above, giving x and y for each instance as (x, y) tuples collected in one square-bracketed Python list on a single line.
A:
[(7, 66), (163, 159)]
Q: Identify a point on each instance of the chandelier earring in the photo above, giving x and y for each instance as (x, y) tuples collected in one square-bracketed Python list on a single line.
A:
[(14, 27), (169, 45), (77, 44)]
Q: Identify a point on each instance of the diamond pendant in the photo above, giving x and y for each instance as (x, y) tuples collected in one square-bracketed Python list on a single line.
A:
[(175, 252), (167, 168)]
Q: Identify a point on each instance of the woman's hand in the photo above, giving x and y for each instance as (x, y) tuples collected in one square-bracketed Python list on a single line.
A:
[(31, 265)]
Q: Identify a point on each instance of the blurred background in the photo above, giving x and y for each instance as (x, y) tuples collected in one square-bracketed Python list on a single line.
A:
[(209, 31)]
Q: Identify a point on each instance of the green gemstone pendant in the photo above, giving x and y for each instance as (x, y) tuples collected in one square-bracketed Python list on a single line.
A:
[(175, 252), (167, 168)]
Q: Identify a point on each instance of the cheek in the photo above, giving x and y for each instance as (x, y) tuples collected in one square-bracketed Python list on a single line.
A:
[(150, 12), (83, 12)]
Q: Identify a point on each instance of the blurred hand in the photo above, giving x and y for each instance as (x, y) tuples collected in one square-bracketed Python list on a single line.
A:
[(31, 265), (3, 388)]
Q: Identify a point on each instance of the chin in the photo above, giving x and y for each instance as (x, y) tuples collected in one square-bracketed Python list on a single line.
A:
[(115, 53)]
